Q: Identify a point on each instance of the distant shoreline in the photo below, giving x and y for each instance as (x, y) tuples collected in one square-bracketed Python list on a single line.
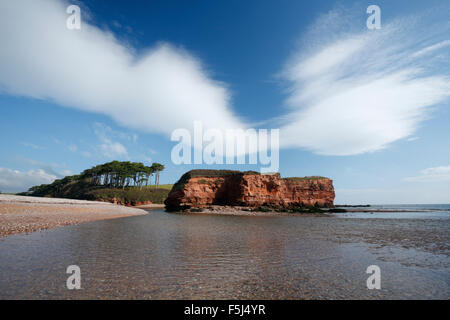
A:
[(246, 211), (394, 210), (21, 214)]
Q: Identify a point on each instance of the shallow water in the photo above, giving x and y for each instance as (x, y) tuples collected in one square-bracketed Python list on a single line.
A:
[(423, 215), (174, 256), (441, 207)]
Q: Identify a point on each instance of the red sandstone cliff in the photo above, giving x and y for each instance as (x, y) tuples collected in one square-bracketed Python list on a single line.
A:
[(201, 188)]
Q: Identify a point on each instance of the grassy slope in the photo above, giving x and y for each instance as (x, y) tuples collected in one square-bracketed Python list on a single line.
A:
[(161, 186), (84, 190), (131, 195)]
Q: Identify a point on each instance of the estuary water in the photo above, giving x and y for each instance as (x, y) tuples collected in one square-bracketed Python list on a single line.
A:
[(400, 211), (180, 256)]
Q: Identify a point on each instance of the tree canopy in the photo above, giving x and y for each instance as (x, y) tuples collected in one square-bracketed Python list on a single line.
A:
[(114, 174)]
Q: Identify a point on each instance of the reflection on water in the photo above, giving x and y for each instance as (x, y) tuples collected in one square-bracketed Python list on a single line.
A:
[(173, 256)]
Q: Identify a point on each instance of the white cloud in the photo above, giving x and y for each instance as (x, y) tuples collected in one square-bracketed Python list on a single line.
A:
[(357, 92), (50, 168), (435, 174), (109, 148), (33, 146), (350, 92), (112, 149), (16, 181), (73, 147), (89, 69), (432, 48), (103, 130)]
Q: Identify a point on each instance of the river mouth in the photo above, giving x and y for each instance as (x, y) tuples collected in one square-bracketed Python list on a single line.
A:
[(174, 256)]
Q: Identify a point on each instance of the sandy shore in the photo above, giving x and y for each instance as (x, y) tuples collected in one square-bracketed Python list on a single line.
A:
[(20, 214)]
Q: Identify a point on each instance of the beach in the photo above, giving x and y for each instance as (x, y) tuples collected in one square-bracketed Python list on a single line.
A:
[(20, 214), (219, 253), (204, 256)]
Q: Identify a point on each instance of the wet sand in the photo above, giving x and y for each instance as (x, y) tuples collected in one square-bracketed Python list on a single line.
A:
[(19, 214)]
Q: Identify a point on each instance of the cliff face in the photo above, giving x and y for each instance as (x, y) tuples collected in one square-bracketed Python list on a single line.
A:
[(200, 188)]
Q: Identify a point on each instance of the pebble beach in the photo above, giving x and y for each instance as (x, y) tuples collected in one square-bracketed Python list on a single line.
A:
[(21, 214)]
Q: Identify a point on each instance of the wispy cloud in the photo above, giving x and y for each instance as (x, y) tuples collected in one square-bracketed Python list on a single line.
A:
[(32, 146), (353, 92), (432, 48), (108, 147), (435, 174), (118, 25), (73, 148), (16, 181), (111, 149), (50, 168), (69, 146)]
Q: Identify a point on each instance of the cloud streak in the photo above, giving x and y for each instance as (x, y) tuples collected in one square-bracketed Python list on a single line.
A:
[(353, 92), (435, 174), (109, 148)]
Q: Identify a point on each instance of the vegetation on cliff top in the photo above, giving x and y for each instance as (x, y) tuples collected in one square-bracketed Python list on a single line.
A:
[(126, 182), (207, 173), (304, 178), (129, 196)]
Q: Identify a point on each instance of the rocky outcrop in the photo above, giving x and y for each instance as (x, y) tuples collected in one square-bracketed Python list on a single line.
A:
[(128, 203), (201, 188)]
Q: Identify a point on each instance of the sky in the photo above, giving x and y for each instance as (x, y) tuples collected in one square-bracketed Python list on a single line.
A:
[(368, 108)]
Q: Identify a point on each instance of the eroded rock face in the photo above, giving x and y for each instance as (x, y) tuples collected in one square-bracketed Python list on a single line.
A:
[(201, 188)]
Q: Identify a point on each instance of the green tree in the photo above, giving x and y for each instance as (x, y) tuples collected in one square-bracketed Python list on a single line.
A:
[(157, 168)]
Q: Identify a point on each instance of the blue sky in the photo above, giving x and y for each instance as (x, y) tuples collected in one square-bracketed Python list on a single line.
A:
[(368, 109)]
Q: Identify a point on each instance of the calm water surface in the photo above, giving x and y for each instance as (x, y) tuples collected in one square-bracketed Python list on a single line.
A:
[(174, 256)]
